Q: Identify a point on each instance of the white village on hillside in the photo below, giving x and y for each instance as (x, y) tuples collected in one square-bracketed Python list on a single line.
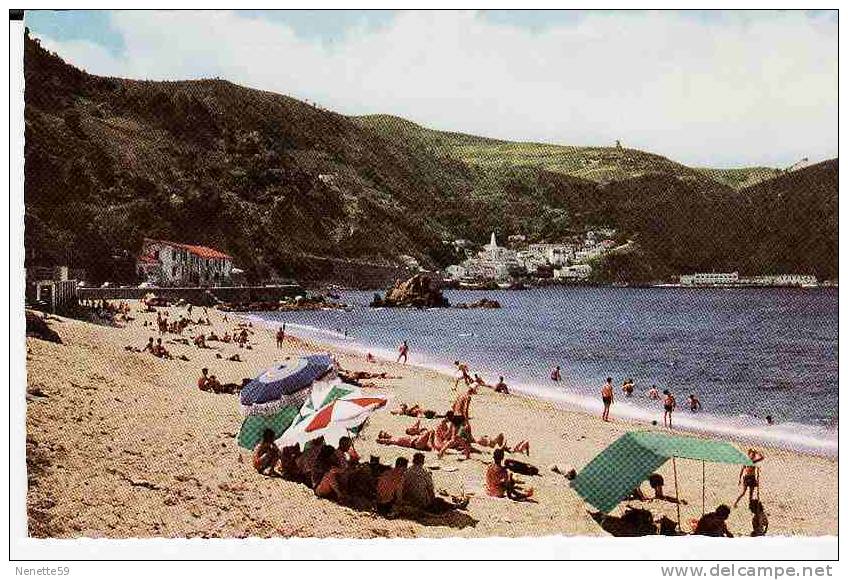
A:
[(566, 261)]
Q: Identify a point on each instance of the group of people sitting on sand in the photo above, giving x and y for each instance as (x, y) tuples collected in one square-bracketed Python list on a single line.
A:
[(454, 432), (338, 474), (210, 383), (715, 523)]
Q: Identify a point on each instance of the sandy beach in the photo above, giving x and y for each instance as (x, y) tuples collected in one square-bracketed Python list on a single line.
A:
[(123, 445)]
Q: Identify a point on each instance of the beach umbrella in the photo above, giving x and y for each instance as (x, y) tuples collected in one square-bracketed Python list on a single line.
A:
[(254, 426), (343, 412), (284, 385)]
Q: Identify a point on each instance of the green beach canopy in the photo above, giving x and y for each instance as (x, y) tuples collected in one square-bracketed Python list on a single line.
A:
[(615, 472), (254, 425)]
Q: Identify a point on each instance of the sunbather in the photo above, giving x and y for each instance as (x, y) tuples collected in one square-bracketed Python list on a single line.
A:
[(389, 486), (499, 481), (418, 491), (423, 441), (266, 453), (714, 523), (499, 441), (414, 411)]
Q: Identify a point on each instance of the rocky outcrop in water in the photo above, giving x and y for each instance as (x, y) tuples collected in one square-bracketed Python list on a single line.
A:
[(482, 303), (418, 292)]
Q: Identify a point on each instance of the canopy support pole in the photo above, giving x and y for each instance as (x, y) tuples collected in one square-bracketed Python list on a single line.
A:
[(703, 487), (676, 492)]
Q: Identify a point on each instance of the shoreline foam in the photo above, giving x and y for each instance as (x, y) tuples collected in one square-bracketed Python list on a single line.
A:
[(790, 436)]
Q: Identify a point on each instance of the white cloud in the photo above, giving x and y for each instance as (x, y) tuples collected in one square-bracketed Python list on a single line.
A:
[(756, 89)]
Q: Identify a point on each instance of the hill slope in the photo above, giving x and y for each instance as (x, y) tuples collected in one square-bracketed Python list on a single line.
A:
[(292, 190), (598, 164)]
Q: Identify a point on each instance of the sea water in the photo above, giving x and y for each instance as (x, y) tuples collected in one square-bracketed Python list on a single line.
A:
[(746, 353)]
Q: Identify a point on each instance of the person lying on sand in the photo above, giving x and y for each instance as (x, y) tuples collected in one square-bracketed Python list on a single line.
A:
[(149, 346), (415, 411), (714, 523), (423, 441), (389, 486), (418, 491), (200, 341), (266, 453), (499, 442), (499, 482), (235, 358)]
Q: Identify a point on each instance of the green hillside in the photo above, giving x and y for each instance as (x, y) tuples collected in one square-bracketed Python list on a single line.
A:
[(292, 190), (598, 164)]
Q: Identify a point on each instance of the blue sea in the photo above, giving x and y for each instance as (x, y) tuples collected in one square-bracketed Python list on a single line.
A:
[(746, 353)]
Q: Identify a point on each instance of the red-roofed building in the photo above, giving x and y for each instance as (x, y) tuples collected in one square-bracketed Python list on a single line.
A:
[(164, 263)]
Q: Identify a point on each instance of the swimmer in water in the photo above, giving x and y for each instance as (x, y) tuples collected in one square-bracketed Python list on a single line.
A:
[(607, 398), (694, 403), (555, 375), (653, 393)]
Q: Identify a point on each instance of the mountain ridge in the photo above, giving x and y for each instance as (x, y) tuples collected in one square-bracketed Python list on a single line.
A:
[(287, 188)]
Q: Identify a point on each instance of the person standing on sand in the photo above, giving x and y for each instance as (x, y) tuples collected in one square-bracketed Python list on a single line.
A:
[(461, 374), (607, 398), (556, 376), (749, 476), (404, 351), (462, 404), (281, 336), (669, 404)]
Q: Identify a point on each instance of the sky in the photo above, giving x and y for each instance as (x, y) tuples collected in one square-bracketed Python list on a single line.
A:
[(706, 88)]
